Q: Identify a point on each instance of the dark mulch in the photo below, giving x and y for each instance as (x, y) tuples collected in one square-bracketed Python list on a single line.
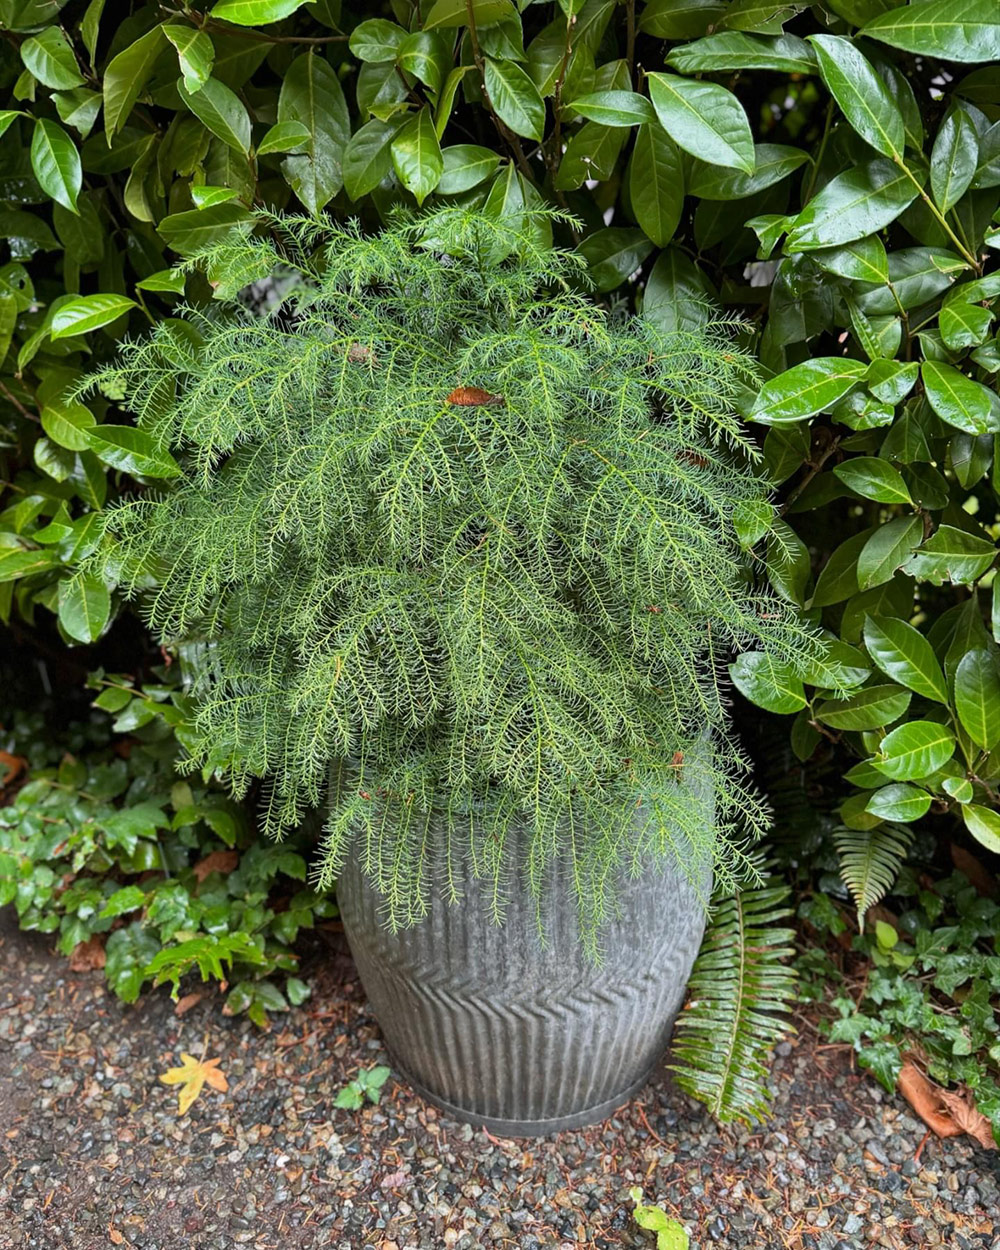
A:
[(92, 1153)]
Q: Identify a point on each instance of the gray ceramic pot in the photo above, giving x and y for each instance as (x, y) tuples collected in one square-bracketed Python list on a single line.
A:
[(521, 1038)]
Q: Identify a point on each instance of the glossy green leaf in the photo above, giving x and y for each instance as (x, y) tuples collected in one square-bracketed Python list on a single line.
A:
[(963, 325), (873, 478), (515, 98), (466, 165), (863, 260), (84, 607), (368, 157), (954, 30), (899, 802), (773, 162), (311, 95), (977, 697), (284, 137), (67, 425), (427, 56), (56, 163), (221, 111), (959, 400), (730, 50), (805, 390), (838, 580), (862, 95), (704, 119), (205, 197), (164, 280), (50, 58), (952, 555), (887, 550), (456, 13), (89, 312), (254, 12), (787, 562), (126, 76), (767, 683), (871, 708), (905, 655), (678, 296), (132, 451), (613, 254), (377, 40), (958, 788), (614, 108), (984, 825), (195, 54), (656, 183), (857, 203), (915, 750), (953, 159), (680, 19), (764, 16), (416, 155)]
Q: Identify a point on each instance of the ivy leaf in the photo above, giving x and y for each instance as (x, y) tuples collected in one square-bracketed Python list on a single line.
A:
[(905, 655), (955, 30), (84, 607), (873, 478), (193, 1076), (862, 95), (195, 54), (89, 312), (416, 155), (977, 697), (515, 98), (914, 750), (704, 119), (311, 94), (805, 390), (56, 163), (859, 202), (960, 401)]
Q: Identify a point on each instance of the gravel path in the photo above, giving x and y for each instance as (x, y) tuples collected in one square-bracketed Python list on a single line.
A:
[(92, 1154)]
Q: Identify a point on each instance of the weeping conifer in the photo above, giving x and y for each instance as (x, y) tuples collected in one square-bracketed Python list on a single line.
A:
[(462, 546)]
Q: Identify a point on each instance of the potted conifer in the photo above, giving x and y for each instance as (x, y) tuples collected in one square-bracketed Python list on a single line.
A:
[(462, 545)]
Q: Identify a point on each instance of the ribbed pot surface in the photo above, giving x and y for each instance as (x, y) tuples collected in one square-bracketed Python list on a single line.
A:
[(522, 1038)]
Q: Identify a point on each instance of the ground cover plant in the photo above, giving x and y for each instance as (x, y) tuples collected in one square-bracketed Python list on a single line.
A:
[(140, 872), (830, 171)]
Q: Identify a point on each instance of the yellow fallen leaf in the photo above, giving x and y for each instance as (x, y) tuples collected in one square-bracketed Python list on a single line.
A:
[(192, 1077)]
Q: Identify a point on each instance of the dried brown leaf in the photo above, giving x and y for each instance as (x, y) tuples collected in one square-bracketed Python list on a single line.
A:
[(948, 1113), (217, 861), (88, 956)]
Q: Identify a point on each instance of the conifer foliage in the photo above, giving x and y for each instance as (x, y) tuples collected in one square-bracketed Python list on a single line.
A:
[(463, 546)]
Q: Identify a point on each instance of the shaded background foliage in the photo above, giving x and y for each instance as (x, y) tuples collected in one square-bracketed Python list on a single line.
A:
[(831, 171)]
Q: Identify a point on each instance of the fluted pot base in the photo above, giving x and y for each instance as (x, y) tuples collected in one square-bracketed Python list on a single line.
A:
[(519, 1036), (525, 1128)]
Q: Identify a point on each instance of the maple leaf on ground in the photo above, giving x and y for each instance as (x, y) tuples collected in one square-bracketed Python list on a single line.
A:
[(192, 1077)]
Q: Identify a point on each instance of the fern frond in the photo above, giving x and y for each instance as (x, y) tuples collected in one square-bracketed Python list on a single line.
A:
[(740, 992), (870, 860)]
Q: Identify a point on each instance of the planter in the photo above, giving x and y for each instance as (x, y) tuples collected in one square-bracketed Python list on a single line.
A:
[(520, 1038)]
